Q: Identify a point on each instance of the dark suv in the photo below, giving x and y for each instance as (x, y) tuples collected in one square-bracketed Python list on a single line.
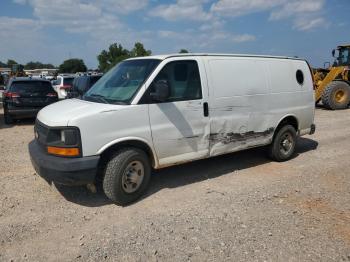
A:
[(24, 97), (82, 84)]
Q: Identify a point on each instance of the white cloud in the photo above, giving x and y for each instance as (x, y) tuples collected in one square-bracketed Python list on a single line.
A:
[(122, 6), (64, 11), (305, 14), (199, 40), (305, 24), (243, 38), (7, 23), (94, 18), (182, 10), (100, 23), (298, 7), (239, 7), (213, 25), (21, 2), (18, 36), (96, 21)]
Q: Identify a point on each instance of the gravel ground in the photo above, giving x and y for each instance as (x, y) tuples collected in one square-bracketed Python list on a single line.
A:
[(237, 207)]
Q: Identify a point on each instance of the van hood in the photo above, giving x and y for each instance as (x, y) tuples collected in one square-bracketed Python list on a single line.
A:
[(62, 112)]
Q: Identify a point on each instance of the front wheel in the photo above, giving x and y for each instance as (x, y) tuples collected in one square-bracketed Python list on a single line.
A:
[(127, 175), (283, 144)]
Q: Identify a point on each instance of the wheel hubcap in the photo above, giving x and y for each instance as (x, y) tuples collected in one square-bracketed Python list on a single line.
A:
[(133, 176), (340, 96), (286, 144)]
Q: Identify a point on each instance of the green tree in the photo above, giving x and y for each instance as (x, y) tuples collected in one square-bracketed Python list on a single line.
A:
[(38, 65), (11, 62), (3, 64), (139, 50), (72, 66), (183, 51), (108, 58), (116, 53)]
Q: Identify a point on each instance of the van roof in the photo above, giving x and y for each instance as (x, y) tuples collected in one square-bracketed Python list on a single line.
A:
[(162, 57)]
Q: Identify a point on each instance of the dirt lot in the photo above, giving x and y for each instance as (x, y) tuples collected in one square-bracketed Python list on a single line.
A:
[(238, 207)]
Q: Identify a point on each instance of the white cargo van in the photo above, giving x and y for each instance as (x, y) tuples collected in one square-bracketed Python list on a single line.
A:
[(158, 111)]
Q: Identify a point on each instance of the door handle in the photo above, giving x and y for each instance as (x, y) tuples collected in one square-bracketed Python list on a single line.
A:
[(205, 109)]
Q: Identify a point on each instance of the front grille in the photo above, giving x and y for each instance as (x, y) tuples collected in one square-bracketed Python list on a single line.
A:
[(41, 132)]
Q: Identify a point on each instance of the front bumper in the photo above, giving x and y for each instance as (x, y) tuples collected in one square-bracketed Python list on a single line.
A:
[(62, 170)]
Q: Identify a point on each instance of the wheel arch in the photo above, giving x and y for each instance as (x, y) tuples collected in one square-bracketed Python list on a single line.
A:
[(288, 119), (135, 142)]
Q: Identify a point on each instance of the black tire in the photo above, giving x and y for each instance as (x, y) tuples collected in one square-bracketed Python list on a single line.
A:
[(115, 170), (7, 118), (277, 149), (330, 98)]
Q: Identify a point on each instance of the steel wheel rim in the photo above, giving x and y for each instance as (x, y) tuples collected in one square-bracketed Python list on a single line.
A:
[(286, 144), (340, 96), (133, 176)]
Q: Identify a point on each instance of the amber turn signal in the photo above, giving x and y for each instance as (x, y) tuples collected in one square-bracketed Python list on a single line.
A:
[(61, 151)]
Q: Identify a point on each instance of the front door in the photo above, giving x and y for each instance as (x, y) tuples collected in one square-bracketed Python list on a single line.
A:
[(180, 129)]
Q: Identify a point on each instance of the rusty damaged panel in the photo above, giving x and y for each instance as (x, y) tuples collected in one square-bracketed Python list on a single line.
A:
[(229, 142)]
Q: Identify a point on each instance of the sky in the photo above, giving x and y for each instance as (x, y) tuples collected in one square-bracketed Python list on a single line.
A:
[(51, 31)]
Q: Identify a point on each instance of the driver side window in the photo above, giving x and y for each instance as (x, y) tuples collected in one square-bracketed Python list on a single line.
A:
[(183, 80)]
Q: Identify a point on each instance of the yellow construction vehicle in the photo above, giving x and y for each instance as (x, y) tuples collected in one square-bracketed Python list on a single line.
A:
[(17, 70), (332, 84)]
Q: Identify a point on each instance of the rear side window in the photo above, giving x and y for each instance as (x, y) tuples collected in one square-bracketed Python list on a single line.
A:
[(300, 77), (183, 79), (57, 81), (31, 87), (68, 81)]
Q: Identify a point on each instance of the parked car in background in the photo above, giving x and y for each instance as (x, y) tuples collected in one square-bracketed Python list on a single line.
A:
[(2, 86), (25, 96), (2, 89), (82, 84), (62, 84)]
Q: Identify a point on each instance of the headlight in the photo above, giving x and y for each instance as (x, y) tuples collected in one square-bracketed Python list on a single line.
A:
[(69, 137), (64, 142)]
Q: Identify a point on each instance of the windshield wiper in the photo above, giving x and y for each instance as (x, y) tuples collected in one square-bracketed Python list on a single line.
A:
[(99, 97), (119, 103)]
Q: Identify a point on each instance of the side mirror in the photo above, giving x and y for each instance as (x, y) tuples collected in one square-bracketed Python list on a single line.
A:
[(333, 52), (161, 91)]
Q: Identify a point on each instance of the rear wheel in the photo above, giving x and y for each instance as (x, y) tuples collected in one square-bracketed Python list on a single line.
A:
[(283, 144), (336, 95), (126, 176)]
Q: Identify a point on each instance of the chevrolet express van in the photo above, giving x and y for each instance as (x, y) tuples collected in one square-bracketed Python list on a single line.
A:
[(152, 112)]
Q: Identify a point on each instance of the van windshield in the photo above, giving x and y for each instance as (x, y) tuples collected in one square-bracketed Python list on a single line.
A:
[(120, 84)]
